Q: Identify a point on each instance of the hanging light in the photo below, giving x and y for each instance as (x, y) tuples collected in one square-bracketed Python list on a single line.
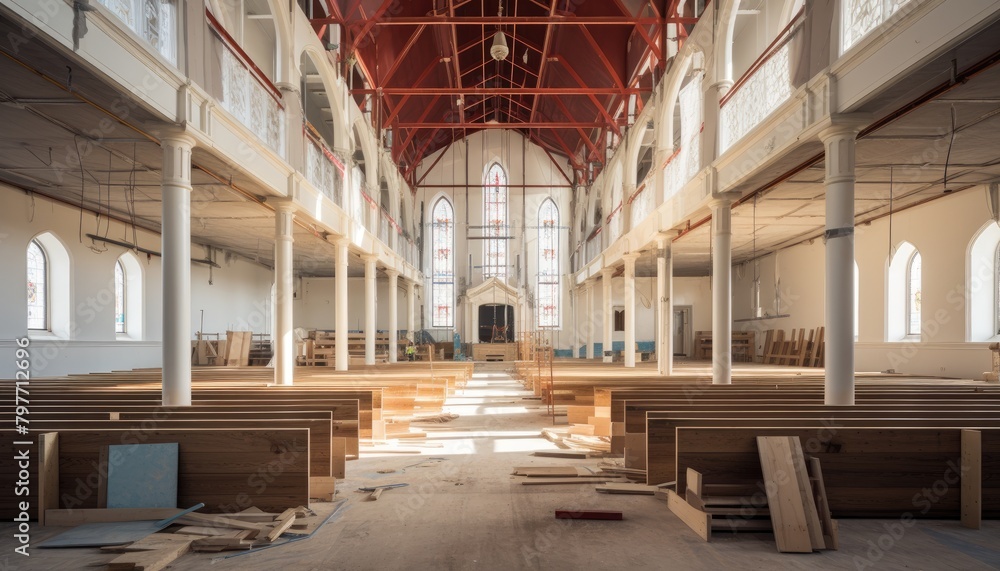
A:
[(499, 51)]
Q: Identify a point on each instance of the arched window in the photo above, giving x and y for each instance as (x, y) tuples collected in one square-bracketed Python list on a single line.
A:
[(913, 295), (128, 297), (903, 294), (982, 285), (548, 264), (120, 289), (443, 264), (38, 293), (495, 221)]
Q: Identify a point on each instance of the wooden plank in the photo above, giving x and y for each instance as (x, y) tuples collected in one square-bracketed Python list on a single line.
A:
[(638, 489), (560, 454), (217, 521), (587, 480), (160, 549), (75, 517), (805, 490), (791, 532), (699, 521), (972, 479), (322, 488), (830, 536), (48, 474), (281, 527), (590, 514)]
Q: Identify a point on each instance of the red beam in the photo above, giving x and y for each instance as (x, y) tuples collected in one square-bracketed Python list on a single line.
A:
[(521, 20), (396, 108), (601, 55), (371, 22), (583, 135), (409, 136), (505, 125), (402, 55), (582, 90), (593, 98), (546, 45)]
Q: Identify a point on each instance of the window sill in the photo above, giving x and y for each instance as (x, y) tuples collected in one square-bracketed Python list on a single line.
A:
[(37, 335)]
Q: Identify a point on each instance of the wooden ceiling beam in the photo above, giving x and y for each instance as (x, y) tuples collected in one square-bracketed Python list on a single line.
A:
[(592, 96), (402, 55)]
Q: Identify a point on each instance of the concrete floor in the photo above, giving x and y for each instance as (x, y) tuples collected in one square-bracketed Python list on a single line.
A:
[(463, 510)]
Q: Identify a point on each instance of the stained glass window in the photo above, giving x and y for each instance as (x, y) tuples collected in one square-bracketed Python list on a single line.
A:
[(38, 270), (548, 264), (913, 295), (119, 297), (443, 265), (495, 222)]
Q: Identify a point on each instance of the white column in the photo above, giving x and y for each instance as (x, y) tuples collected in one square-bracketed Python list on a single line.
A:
[(711, 135), (176, 264), (665, 307), (284, 342), (722, 297), (411, 309), (393, 314), (630, 308), (370, 270), (591, 322), (340, 291), (840, 145), (609, 314)]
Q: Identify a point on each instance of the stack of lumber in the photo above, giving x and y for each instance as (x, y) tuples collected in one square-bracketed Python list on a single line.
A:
[(578, 437), (796, 350), (180, 532), (321, 348), (551, 475), (665, 425)]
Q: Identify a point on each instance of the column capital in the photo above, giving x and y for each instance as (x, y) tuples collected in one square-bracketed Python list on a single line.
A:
[(846, 125), (282, 204), (287, 87), (607, 272), (720, 201), (176, 137), (631, 256), (392, 273)]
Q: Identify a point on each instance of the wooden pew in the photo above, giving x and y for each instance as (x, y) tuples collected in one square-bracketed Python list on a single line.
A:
[(227, 470), (869, 472)]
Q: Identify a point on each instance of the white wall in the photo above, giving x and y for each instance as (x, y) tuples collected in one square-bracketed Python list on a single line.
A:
[(314, 304), (525, 163), (942, 232), (237, 298)]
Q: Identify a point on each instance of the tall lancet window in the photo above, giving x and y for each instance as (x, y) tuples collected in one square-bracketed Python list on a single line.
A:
[(443, 264), (548, 264), (495, 222)]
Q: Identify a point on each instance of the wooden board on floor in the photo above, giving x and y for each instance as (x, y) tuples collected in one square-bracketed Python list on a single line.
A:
[(699, 521)]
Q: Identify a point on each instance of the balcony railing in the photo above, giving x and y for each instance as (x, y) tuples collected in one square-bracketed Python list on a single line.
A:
[(155, 21), (615, 223), (247, 93), (593, 246), (641, 203), (761, 90), (324, 170), (863, 16)]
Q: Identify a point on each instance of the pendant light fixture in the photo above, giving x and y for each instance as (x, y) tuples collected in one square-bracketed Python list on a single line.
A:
[(499, 51)]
